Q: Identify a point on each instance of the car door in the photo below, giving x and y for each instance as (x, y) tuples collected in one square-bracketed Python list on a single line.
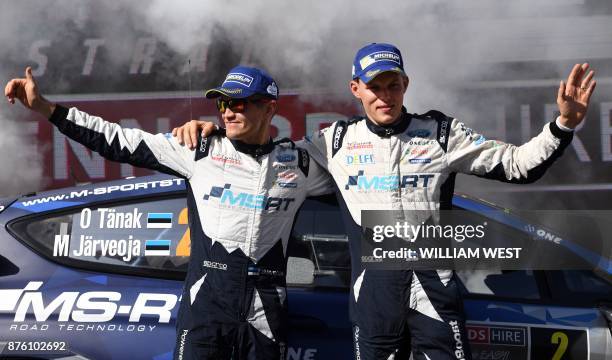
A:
[(523, 314), (318, 312), (98, 280)]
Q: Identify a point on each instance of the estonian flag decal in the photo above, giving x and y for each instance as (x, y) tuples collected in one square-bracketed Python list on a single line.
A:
[(159, 220), (157, 248)]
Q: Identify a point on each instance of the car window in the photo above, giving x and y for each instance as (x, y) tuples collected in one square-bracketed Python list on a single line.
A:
[(319, 235), (586, 282), (585, 286), (125, 238), (519, 284)]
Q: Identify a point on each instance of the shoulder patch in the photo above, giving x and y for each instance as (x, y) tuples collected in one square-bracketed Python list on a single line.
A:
[(338, 136), (204, 143), (444, 124), (303, 160)]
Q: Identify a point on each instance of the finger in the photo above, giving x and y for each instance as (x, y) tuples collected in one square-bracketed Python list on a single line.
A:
[(187, 136), (28, 74), (585, 83), (9, 89), (179, 136), (561, 92), (573, 76), (590, 90), (174, 132), (193, 132), (208, 127)]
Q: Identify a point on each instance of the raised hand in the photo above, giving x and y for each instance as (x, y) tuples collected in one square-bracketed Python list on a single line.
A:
[(26, 91), (574, 96)]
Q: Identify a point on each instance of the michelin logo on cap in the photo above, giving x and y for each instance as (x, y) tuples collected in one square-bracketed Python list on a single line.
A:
[(239, 78), (379, 56)]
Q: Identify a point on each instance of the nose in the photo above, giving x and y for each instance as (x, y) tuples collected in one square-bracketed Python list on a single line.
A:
[(229, 113), (385, 94)]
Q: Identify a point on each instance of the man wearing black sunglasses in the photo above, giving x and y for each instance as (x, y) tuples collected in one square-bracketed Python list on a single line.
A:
[(243, 193)]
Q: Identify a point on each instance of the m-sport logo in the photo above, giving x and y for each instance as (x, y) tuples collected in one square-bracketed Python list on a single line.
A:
[(244, 200), (95, 307), (387, 182)]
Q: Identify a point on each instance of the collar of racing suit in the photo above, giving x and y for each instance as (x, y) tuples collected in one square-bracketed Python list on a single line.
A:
[(255, 150), (397, 127)]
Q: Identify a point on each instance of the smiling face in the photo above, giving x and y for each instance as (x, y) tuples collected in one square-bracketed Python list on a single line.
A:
[(251, 123), (382, 97)]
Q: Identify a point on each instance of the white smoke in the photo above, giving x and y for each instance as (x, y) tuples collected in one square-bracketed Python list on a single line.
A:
[(21, 159), (310, 45)]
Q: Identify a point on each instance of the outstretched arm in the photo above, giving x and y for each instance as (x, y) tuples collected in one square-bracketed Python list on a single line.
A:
[(471, 153), (133, 146)]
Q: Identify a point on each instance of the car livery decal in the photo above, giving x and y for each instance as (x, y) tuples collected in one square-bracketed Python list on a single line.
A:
[(83, 196), (493, 340), (513, 221)]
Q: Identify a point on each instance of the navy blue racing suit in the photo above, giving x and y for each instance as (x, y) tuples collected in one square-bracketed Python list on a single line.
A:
[(242, 201), (411, 165)]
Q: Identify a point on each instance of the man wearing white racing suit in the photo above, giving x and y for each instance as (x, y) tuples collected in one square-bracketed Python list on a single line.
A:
[(393, 160), (243, 193)]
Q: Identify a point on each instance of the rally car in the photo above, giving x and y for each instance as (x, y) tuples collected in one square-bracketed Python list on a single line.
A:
[(94, 272)]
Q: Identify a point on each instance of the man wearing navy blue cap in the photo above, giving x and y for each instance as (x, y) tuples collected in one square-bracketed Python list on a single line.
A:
[(243, 191), (410, 164), (398, 312)]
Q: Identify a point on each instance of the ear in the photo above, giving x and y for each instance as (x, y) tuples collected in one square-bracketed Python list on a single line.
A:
[(405, 81), (354, 86), (271, 108)]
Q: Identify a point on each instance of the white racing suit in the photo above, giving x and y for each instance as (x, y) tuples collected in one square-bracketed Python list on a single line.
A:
[(412, 165), (242, 200)]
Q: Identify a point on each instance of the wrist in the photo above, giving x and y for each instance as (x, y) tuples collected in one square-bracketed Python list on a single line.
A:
[(564, 123), (45, 108)]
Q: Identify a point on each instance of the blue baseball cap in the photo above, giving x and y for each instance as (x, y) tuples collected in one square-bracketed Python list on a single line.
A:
[(376, 58), (242, 82)]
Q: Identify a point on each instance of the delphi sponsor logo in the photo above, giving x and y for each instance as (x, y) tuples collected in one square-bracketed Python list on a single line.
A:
[(239, 78), (101, 191), (124, 249), (228, 197), (363, 182), (84, 311), (360, 159)]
